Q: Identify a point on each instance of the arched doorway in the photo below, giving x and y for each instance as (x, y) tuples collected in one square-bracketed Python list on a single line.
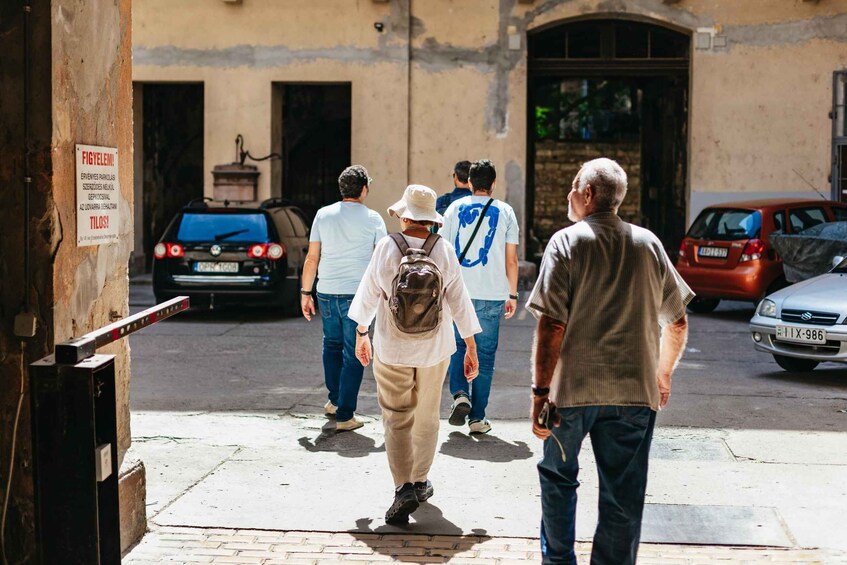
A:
[(615, 88)]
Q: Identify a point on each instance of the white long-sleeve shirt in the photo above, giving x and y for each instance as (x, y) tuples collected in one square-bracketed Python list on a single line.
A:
[(394, 347)]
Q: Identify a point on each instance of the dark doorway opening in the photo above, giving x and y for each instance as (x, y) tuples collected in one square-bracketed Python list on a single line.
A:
[(312, 132), (613, 88), (839, 137), (172, 134)]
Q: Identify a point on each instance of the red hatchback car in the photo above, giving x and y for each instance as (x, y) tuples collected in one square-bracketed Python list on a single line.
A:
[(727, 253)]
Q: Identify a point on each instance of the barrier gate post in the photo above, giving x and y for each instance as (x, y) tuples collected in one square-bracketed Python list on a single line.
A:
[(75, 445)]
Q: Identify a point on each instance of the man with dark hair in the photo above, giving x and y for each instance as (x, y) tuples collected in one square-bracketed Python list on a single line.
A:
[(340, 247), (484, 234), (461, 188), (611, 329)]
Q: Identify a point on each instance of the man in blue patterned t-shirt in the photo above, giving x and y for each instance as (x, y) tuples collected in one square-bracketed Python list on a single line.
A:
[(490, 272)]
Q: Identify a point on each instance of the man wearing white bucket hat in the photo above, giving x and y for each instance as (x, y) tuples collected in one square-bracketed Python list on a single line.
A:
[(412, 347)]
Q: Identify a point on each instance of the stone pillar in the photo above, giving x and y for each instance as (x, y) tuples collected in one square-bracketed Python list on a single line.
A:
[(81, 93)]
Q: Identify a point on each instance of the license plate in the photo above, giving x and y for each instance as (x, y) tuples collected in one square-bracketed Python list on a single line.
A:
[(215, 267), (801, 335), (716, 252)]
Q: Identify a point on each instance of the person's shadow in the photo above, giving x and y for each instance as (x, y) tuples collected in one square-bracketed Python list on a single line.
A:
[(427, 520), (484, 448), (345, 444)]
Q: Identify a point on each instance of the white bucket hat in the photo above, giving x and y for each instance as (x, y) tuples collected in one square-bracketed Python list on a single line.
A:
[(418, 204)]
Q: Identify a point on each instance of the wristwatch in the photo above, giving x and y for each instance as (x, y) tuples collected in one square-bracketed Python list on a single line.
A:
[(361, 334), (539, 391), (305, 292), (513, 296)]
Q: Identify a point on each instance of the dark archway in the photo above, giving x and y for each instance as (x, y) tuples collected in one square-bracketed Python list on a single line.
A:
[(616, 88)]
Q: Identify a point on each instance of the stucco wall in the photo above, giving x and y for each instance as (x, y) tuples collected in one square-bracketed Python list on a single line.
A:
[(92, 80), (81, 93), (758, 106)]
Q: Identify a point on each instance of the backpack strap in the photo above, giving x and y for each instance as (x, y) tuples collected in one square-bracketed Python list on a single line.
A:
[(401, 242), (430, 242), (475, 230)]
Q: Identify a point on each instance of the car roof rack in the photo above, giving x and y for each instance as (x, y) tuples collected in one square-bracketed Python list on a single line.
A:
[(275, 202)]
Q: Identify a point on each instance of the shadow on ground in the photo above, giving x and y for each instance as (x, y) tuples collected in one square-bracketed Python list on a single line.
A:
[(345, 444), (484, 448), (428, 520)]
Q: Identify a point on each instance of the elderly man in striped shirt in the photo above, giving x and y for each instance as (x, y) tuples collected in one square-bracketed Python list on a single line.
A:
[(611, 328)]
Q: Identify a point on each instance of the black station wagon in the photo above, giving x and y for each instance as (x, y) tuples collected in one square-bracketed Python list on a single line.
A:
[(216, 254)]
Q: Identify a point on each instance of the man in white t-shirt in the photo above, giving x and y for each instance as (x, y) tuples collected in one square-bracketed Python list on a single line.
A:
[(489, 258), (341, 243)]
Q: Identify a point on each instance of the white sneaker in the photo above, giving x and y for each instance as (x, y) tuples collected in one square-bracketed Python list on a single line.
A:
[(330, 409), (459, 411), (479, 426), (351, 424)]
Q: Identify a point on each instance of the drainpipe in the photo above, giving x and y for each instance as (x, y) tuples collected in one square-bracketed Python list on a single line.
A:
[(409, 93)]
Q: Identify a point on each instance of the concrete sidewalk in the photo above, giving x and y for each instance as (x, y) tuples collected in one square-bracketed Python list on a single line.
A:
[(293, 473)]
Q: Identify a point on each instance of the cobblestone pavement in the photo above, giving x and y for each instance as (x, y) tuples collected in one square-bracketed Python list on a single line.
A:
[(263, 547)]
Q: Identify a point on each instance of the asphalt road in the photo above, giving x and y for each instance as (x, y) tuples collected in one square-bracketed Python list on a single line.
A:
[(255, 360)]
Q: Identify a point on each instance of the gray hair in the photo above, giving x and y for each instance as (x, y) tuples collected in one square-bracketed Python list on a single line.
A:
[(607, 180)]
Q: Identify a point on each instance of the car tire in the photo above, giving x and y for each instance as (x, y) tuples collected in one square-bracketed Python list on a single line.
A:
[(703, 305), (794, 364), (289, 301)]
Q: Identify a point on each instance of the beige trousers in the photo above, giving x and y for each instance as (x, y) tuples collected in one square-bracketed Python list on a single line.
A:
[(410, 398)]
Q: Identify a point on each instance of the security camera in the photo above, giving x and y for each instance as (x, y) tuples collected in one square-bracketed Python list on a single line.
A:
[(379, 26)]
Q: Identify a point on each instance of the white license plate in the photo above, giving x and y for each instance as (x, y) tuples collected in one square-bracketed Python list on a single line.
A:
[(215, 267), (716, 252), (801, 335)]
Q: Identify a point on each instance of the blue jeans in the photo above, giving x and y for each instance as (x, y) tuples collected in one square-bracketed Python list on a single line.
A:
[(620, 437), (342, 371), (489, 313)]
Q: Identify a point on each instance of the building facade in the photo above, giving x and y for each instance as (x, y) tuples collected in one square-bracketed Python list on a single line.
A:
[(702, 101)]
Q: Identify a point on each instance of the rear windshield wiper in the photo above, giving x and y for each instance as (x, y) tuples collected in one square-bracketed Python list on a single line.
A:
[(229, 234)]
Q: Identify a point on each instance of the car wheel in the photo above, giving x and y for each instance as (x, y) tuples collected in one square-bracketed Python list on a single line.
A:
[(703, 305), (795, 365), (289, 300)]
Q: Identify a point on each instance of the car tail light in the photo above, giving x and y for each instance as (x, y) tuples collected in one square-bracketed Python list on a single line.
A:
[(753, 250), (275, 251), (172, 250), (258, 251), (682, 249)]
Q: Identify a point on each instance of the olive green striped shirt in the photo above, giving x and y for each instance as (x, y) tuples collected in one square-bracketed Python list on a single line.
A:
[(615, 287)]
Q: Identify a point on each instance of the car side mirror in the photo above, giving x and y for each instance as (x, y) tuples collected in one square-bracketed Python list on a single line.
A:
[(837, 260)]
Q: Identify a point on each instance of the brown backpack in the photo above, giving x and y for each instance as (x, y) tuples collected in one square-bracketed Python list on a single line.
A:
[(415, 301)]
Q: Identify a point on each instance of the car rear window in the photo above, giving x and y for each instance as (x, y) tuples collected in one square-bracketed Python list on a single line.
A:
[(726, 224), (210, 226)]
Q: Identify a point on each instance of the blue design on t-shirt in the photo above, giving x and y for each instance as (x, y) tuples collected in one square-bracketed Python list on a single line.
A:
[(468, 216)]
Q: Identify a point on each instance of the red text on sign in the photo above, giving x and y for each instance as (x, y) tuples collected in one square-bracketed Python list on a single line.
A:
[(99, 222), (98, 158)]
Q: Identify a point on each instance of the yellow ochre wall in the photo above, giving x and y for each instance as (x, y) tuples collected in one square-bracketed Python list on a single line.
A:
[(758, 107)]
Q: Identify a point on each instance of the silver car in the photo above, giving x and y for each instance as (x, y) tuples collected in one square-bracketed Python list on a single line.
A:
[(806, 323)]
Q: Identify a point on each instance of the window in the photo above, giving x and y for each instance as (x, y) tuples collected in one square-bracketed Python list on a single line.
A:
[(238, 228), (283, 223), (726, 224), (779, 221), (840, 214), (300, 229), (805, 218)]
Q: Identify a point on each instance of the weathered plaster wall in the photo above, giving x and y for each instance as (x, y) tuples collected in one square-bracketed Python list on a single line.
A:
[(92, 81), (468, 88), (81, 93), (15, 352)]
